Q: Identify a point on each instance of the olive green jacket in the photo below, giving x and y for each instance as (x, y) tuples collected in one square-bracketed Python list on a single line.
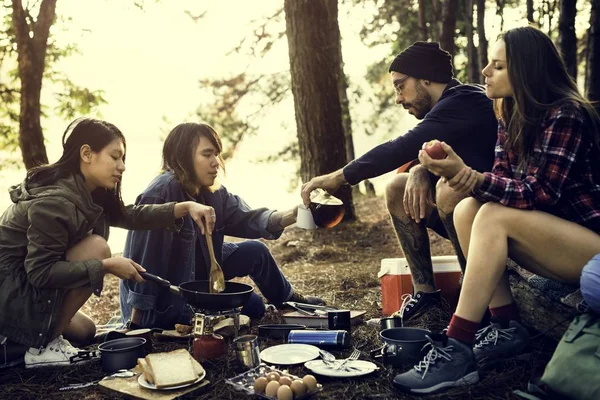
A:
[(35, 233)]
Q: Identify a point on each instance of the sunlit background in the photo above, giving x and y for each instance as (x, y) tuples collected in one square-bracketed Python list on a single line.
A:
[(148, 62)]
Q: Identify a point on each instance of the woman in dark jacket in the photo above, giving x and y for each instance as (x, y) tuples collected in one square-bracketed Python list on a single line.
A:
[(53, 248), (540, 206)]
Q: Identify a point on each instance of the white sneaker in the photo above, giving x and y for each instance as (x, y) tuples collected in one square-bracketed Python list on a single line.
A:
[(58, 352)]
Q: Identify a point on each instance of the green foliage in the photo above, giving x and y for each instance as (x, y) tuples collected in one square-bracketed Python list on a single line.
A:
[(252, 95), (238, 103), (71, 100)]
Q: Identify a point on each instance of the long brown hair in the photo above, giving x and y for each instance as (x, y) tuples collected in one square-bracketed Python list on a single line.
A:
[(540, 80), (97, 134), (178, 152)]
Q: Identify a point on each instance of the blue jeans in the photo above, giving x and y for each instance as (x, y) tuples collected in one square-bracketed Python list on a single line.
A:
[(252, 258)]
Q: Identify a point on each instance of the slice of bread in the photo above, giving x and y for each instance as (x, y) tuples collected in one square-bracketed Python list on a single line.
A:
[(195, 364), (146, 370), (197, 367), (171, 369)]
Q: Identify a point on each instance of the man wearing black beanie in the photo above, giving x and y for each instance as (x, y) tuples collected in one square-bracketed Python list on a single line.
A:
[(460, 115)]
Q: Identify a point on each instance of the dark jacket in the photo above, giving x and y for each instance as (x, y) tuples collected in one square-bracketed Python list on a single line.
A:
[(175, 255), (35, 233), (463, 117)]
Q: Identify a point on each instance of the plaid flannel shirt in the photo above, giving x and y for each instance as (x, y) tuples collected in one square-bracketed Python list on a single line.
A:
[(559, 178)]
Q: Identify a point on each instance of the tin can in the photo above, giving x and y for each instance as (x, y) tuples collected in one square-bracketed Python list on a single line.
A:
[(333, 339)]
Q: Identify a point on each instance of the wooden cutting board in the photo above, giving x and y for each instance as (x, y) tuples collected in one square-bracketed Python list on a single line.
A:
[(131, 388)]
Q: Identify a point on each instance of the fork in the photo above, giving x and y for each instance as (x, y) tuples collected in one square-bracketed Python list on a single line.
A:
[(330, 361), (216, 281), (354, 356)]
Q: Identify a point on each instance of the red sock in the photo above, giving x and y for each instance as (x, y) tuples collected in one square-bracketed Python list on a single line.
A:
[(462, 329), (506, 313)]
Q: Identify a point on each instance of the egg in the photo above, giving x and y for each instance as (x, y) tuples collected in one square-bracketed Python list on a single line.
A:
[(273, 376), (260, 384), (285, 380), (285, 393), (271, 389), (310, 382), (298, 388)]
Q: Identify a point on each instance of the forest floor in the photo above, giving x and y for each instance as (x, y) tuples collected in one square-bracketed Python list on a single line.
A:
[(340, 265)]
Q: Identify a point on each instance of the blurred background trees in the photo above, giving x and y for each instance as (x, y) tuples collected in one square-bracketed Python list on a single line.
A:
[(27, 56), (326, 102)]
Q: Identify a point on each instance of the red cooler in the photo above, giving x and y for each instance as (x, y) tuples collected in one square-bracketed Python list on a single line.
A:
[(396, 281)]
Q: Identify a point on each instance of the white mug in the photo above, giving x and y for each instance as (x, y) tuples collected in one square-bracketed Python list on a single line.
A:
[(304, 219)]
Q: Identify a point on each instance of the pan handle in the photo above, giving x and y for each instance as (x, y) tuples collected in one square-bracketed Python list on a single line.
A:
[(156, 279), (161, 282)]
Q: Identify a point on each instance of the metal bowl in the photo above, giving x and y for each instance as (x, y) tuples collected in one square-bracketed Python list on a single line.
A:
[(121, 353), (403, 345)]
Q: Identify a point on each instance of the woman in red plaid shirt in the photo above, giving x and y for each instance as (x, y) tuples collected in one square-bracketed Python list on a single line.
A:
[(540, 205)]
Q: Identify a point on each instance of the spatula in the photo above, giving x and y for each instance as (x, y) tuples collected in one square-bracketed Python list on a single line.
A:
[(216, 280)]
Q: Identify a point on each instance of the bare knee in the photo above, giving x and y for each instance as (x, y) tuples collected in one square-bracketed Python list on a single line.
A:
[(447, 198), (92, 247), (394, 193), (491, 215), (465, 212), (81, 329)]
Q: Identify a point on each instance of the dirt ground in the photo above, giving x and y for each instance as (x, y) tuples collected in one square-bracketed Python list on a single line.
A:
[(340, 265)]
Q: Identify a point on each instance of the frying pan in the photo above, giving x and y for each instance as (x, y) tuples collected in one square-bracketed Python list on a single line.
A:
[(197, 293)]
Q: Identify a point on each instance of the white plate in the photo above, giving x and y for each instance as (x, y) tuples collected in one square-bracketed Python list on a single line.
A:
[(144, 383), (289, 354), (363, 368)]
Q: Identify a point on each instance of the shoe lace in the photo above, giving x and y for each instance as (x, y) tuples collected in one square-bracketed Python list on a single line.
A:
[(491, 334), (434, 354), (408, 302), (66, 346)]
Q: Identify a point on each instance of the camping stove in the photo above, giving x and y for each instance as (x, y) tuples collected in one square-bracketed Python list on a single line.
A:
[(205, 320)]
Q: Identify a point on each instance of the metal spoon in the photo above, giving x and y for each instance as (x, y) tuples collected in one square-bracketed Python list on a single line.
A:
[(122, 373)]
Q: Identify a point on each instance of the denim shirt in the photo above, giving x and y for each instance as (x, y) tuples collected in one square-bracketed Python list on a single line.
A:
[(172, 255)]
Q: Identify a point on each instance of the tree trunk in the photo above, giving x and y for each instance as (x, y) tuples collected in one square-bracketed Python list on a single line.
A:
[(32, 41), (448, 27), (316, 70), (472, 60), (538, 311), (424, 35), (483, 42), (567, 40), (530, 12), (345, 104), (436, 12), (592, 78), (500, 13)]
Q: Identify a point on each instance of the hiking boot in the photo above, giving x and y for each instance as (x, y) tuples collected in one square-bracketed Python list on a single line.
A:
[(495, 344), (413, 307), (58, 352), (312, 300), (449, 363)]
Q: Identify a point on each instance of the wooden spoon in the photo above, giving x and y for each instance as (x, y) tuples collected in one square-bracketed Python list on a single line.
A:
[(216, 280)]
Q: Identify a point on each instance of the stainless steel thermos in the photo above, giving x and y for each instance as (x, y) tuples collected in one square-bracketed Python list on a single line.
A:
[(333, 339)]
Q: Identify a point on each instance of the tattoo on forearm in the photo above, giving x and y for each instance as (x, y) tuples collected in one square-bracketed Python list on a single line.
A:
[(448, 221), (415, 245), (274, 223)]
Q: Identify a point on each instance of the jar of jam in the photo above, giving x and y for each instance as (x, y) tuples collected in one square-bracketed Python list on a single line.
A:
[(209, 346)]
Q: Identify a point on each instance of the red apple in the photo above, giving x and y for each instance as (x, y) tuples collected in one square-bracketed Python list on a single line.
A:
[(434, 150)]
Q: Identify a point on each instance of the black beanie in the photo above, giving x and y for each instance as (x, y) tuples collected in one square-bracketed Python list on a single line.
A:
[(424, 60)]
